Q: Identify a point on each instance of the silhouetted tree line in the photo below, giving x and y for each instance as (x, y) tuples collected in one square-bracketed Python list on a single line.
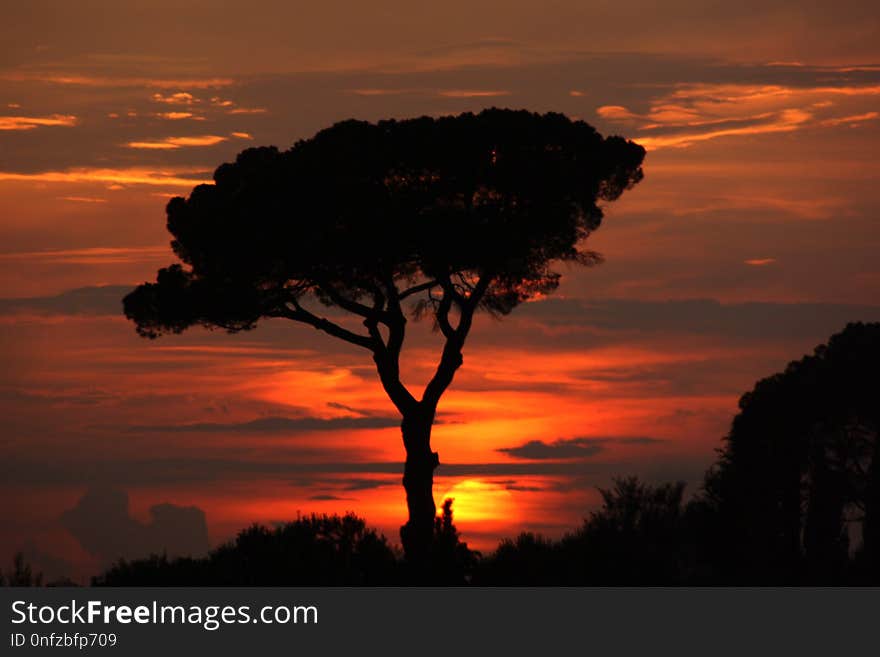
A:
[(794, 498)]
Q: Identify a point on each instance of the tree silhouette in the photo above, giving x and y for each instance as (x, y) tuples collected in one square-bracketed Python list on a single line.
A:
[(427, 217), (315, 550), (637, 536), (801, 465), (21, 573)]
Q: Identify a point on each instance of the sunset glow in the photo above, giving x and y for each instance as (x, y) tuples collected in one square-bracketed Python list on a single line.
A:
[(751, 239)]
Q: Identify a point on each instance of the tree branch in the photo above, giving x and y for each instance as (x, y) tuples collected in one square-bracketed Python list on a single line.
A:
[(395, 319), (443, 316), (300, 314), (351, 305), (451, 358), (385, 356), (389, 374), (450, 361), (415, 289)]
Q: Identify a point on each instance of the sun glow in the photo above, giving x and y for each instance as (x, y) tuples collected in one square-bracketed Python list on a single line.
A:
[(480, 501)]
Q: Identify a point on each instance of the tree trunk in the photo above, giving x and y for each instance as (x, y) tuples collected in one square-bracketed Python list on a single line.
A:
[(418, 481)]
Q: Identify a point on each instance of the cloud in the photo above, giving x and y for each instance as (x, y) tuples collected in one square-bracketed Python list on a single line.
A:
[(70, 396), (851, 120), (177, 116), (164, 176), (171, 143), (247, 110), (179, 98), (428, 92), (522, 488), (101, 522), (698, 316), (638, 440), (83, 199), (120, 81), (344, 483), (571, 448), (368, 484), (784, 121), (471, 93), (230, 107), (380, 92), (89, 301), (760, 262), (32, 122), (277, 425), (694, 112), (99, 255), (348, 409)]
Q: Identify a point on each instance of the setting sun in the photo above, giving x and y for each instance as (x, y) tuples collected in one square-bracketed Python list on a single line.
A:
[(479, 501)]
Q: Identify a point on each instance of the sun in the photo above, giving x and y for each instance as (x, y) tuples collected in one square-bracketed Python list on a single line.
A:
[(480, 501)]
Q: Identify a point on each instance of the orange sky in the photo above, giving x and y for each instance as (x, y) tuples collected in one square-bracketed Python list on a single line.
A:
[(751, 239)]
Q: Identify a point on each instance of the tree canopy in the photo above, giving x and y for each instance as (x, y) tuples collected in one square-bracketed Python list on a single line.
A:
[(363, 216)]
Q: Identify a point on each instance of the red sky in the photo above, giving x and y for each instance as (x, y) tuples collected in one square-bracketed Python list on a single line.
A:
[(752, 238)]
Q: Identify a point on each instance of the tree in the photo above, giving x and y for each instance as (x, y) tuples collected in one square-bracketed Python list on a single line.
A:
[(21, 573), (801, 464), (424, 217), (316, 550), (638, 536)]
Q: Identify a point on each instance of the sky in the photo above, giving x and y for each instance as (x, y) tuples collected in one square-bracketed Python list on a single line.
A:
[(752, 238)]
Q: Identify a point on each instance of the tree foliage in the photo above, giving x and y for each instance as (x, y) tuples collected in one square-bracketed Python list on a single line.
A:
[(363, 216)]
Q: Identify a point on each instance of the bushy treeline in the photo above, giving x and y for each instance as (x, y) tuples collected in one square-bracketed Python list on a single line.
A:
[(642, 535)]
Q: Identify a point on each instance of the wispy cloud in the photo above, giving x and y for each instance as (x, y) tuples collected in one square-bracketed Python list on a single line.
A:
[(32, 122), (85, 80), (83, 199), (851, 120), (784, 121), (697, 112), (278, 425), (427, 92), (172, 177), (471, 93), (379, 92), (231, 107), (177, 116), (170, 143), (571, 448), (179, 98), (89, 256)]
